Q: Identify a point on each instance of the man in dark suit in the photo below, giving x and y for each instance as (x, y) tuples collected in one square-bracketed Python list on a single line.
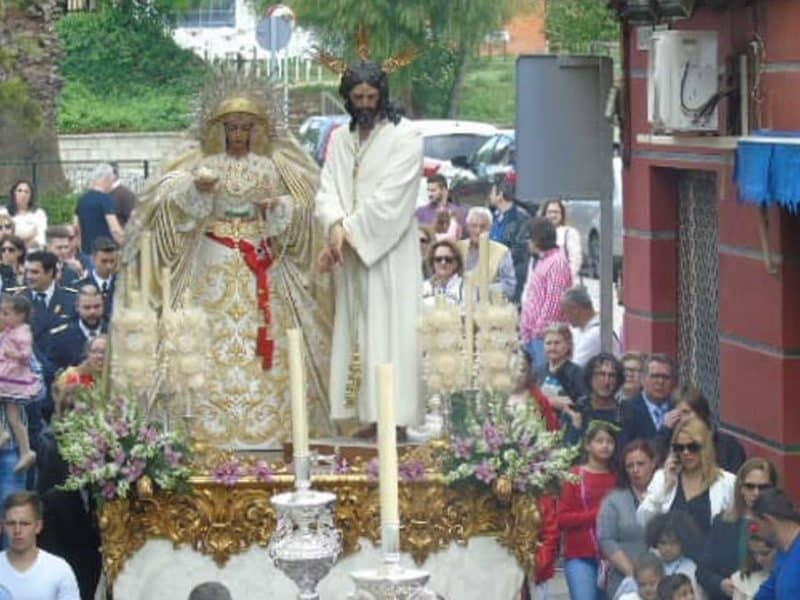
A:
[(648, 415), (103, 276), (66, 344), (59, 242), (71, 532), (52, 306)]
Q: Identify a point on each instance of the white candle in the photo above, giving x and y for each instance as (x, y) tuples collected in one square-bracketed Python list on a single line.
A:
[(387, 444), (166, 290), (469, 290), (145, 264), (483, 267), (297, 388)]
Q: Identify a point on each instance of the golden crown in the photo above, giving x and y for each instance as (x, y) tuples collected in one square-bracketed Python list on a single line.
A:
[(394, 63)]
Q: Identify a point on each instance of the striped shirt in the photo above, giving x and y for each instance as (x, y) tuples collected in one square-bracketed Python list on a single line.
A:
[(547, 282)]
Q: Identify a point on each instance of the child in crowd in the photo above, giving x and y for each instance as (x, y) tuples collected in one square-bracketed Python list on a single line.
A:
[(757, 566), (19, 385), (676, 587), (648, 571), (578, 508), (670, 535)]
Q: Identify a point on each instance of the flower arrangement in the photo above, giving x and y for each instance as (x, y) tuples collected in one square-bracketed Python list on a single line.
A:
[(110, 445), (232, 469), (442, 340), (503, 443), (496, 344)]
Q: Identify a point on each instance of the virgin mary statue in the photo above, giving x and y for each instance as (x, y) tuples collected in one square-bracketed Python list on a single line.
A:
[(232, 224)]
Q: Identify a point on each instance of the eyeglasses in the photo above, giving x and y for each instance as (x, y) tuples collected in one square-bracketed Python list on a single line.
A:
[(660, 376), (692, 448), (761, 487), (8, 249), (444, 259), (632, 370)]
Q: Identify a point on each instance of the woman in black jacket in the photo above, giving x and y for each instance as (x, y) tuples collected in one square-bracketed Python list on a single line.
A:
[(726, 543), (561, 380)]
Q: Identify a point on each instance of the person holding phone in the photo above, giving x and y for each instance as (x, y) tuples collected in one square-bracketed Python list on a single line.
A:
[(690, 479)]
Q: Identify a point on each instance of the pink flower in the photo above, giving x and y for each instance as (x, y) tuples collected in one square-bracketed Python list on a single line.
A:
[(463, 448), (121, 428), (229, 472), (485, 473), (110, 490), (173, 456), (151, 435), (135, 470), (341, 466), (493, 438), (263, 471), (412, 470)]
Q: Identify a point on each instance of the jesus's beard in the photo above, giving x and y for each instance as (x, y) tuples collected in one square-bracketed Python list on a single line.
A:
[(365, 117)]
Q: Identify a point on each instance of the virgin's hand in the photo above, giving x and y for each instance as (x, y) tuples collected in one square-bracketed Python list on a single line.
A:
[(337, 242), (205, 186), (325, 261)]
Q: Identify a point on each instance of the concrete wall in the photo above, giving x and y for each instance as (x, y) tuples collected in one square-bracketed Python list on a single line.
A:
[(759, 327)]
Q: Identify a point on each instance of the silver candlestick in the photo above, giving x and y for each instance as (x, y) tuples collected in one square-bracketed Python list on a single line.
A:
[(391, 581), (306, 543)]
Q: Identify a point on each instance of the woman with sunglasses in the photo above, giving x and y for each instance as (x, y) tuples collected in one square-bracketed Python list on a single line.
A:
[(447, 265), (726, 544), (30, 222), (690, 402), (12, 261), (6, 223), (690, 480)]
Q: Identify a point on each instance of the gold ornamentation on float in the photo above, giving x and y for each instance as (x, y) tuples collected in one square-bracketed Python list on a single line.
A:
[(221, 521)]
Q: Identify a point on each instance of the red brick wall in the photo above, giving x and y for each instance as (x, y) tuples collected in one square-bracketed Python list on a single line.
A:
[(759, 312)]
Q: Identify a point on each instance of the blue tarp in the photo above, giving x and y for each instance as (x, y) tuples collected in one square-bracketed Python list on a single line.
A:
[(768, 171)]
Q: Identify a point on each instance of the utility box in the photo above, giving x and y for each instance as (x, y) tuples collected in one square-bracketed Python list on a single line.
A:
[(683, 81)]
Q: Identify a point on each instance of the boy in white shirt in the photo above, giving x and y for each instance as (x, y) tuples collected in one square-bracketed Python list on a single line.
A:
[(26, 571)]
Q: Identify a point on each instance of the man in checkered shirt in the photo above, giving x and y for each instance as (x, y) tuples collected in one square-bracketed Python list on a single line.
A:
[(547, 281)]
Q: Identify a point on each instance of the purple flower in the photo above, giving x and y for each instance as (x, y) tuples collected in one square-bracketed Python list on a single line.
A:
[(229, 472), (463, 448), (263, 471), (485, 472), (135, 470), (110, 490), (119, 457), (520, 484), (373, 468), (121, 428), (412, 470), (525, 441), (341, 466), (493, 438), (151, 435), (173, 456)]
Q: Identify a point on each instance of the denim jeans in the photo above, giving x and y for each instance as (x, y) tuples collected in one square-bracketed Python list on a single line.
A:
[(581, 576), (536, 350), (10, 482)]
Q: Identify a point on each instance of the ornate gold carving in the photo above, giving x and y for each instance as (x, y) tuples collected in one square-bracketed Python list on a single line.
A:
[(222, 521)]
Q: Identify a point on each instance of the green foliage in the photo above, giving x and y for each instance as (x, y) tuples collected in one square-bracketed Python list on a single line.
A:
[(60, 209), (490, 91), (15, 93), (575, 25), (446, 30), (125, 73)]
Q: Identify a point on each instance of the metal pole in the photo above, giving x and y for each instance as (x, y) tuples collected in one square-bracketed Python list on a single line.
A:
[(286, 88), (606, 234)]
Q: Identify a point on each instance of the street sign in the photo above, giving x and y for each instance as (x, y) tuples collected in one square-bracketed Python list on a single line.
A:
[(275, 30)]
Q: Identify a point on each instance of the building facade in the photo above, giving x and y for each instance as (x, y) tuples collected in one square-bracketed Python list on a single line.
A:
[(709, 278)]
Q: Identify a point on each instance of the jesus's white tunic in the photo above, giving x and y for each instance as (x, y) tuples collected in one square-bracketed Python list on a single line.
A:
[(372, 187)]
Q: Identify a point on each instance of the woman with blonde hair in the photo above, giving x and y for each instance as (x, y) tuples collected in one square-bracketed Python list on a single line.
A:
[(561, 380), (690, 479), (726, 544)]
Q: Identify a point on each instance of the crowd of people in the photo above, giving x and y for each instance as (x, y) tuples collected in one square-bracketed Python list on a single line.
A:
[(666, 506), (57, 285)]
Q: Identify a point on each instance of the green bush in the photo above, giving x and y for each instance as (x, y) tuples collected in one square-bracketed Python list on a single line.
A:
[(60, 209)]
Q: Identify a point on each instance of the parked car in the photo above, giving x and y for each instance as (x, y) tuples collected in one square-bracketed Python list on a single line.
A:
[(496, 157), (315, 133), (584, 215), (444, 139)]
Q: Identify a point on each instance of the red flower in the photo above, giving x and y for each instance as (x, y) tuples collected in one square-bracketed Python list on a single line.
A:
[(82, 379), (753, 528)]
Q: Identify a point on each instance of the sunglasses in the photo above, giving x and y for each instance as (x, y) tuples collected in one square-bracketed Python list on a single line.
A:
[(761, 487), (8, 249), (444, 259), (692, 448)]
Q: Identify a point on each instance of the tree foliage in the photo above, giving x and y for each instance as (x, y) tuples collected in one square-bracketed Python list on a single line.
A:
[(574, 25), (447, 31)]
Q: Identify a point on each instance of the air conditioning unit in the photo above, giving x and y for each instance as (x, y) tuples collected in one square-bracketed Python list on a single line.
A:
[(683, 81)]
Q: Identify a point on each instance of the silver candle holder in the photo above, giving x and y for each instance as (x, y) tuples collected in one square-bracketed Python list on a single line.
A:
[(390, 580), (306, 543)]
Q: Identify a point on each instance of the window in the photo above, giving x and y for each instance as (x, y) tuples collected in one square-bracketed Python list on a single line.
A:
[(209, 13), (445, 147)]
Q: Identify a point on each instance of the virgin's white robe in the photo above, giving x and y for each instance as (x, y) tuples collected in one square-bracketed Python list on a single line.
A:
[(378, 287)]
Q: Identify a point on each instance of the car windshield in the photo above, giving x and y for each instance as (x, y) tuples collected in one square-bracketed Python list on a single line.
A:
[(445, 147)]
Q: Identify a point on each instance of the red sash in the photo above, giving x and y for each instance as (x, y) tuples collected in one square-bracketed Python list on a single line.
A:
[(259, 259)]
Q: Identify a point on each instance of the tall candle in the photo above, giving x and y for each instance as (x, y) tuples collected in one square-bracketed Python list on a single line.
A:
[(166, 289), (297, 389), (387, 444), (469, 317), (145, 264), (483, 267)]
